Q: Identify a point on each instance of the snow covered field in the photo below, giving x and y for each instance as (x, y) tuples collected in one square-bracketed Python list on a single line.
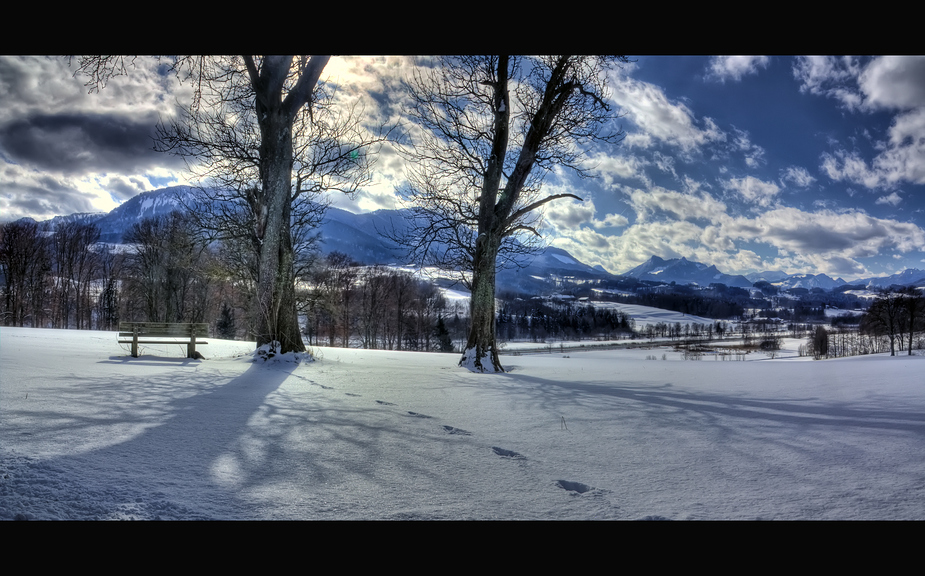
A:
[(87, 432)]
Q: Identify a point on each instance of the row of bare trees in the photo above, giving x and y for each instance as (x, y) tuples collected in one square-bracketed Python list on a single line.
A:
[(842, 342), (896, 319), (372, 307), (167, 272), (50, 279), (897, 315), (67, 279)]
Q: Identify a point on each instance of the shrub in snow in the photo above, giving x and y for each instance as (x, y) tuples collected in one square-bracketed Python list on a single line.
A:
[(270, 352)]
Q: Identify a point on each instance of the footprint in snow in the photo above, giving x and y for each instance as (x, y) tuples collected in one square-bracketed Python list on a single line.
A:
[(577, 487), (384, 403), (351, 394), (459, 431), (416, 415), (326, 387), (508, 453)]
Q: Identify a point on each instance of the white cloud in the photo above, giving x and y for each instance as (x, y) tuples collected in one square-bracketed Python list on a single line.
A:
[(849, 234), (657, 200), (893, 199), (849, 166), (894, 82), (904, 160), (672, 224), (612, 220), (754, 154), (658, 118), (567, 214), (735, 67), (884, 83), (754, 190), (831, 76), (798, 176), (617, 169)]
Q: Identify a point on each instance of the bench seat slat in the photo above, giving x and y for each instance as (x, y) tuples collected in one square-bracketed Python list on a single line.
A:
[(198, 342), (142, 332)]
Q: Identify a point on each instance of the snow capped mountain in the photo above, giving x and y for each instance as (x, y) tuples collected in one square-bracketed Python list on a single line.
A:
[(770, 276), (363, 237), (684, 271), (908, 277), (116, 223), (809, 281)]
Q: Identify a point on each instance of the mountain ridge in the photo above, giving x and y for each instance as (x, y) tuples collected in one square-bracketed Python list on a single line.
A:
[(359, 236)]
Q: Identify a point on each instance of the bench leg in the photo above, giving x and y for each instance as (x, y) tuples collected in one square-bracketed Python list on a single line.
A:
[(191, 347)]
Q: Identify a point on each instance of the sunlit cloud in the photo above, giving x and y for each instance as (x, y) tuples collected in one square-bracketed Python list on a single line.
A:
[(754, 190), (893, 199), (831, 76), (722, 68), (797, 176), (649, 203), (657, 119)]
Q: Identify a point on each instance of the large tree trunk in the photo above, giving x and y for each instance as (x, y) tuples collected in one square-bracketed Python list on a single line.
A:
[(481, 354), (276, 310)]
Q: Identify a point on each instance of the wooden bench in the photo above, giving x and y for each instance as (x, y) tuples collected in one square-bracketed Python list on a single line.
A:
[(143, 332)]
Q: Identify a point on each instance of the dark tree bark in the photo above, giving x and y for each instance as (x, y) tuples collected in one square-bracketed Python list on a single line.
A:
[(276, 316)]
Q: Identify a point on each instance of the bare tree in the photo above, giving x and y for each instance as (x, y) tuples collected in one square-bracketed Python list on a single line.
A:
[(912, 303), (108, 301), (372, 296), (489, 128), (74, 265), (885, 317), (247, 124), (166, 269)]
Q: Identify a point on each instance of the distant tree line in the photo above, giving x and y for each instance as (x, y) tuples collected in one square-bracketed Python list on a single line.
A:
[(346, 304), (167, 272), (535, 319), (718, 304), (67, 279), (895, 321), (54, 279)]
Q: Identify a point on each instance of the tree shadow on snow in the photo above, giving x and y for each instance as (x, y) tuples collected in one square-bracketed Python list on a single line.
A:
[(178, 425)]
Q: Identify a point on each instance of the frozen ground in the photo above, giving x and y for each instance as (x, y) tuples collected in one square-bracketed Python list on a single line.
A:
[(86, 432)]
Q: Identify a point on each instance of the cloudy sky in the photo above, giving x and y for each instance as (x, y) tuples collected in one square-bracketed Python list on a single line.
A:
[(806, 164)]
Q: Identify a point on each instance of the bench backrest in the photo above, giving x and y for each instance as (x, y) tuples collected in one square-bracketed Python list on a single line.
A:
[(163, 329)]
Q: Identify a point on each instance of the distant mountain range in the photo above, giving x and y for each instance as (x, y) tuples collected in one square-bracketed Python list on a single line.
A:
[(683, 271), (358, 235)]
